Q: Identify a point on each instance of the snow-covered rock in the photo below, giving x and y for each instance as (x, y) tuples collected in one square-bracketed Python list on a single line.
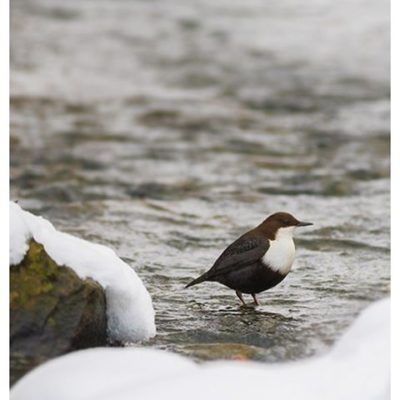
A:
[(52, 312), (130, 313), (356, 368)]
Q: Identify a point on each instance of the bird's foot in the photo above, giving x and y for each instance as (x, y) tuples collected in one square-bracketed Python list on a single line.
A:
[(256, 302), (239, 294)]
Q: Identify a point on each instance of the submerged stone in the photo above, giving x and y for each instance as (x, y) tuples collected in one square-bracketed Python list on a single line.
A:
[(224, 351), (52, 311)]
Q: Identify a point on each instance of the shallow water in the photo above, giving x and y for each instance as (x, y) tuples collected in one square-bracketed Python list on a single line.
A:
[(167, 129)]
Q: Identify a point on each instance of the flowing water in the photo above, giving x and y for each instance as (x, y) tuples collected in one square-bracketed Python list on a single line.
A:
[(166, 129)]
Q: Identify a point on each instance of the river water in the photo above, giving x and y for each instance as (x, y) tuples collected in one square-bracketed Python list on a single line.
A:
[(166, 129)]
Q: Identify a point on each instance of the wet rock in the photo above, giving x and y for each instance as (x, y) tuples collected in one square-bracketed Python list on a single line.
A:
[(52, 311)]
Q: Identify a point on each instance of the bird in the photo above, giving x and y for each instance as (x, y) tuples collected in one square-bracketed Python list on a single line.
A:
[(258, 260)]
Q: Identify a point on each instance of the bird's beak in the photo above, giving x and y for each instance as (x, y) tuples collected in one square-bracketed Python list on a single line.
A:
[(304, 223)]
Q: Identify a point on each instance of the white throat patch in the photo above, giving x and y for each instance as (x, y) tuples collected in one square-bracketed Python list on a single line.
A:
[(280, 255)]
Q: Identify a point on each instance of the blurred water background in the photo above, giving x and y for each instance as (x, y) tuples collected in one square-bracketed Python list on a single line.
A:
[(165, 129)]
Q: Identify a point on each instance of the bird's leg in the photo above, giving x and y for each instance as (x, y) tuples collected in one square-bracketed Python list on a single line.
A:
[(239, 294), (253, 295)]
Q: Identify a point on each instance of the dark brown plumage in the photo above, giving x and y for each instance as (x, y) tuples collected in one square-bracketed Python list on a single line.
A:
[(250, 265)]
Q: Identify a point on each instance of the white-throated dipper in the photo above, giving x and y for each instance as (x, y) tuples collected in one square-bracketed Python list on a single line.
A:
[(259, 259)]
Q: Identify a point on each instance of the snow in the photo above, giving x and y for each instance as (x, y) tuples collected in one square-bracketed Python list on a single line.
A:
[(130, 313), (100, 372), (356, 368)]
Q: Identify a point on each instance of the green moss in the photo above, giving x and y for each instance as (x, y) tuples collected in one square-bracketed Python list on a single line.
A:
[(35, 275)]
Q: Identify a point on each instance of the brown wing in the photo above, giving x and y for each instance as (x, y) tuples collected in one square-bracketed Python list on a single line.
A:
[(245, 251)]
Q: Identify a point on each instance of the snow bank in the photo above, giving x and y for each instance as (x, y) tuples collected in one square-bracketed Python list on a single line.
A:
[(356, 368), (130, 313)]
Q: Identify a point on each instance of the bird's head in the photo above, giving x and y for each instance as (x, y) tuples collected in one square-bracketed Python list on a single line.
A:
[(281, 224)]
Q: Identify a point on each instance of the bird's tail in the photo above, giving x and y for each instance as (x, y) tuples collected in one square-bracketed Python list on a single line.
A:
[(200, 279)]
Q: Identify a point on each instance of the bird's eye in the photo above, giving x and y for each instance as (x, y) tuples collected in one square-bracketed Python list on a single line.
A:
[(286, 222)]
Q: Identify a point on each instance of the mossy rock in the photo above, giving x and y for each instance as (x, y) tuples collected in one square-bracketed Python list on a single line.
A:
[(52, 311)]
